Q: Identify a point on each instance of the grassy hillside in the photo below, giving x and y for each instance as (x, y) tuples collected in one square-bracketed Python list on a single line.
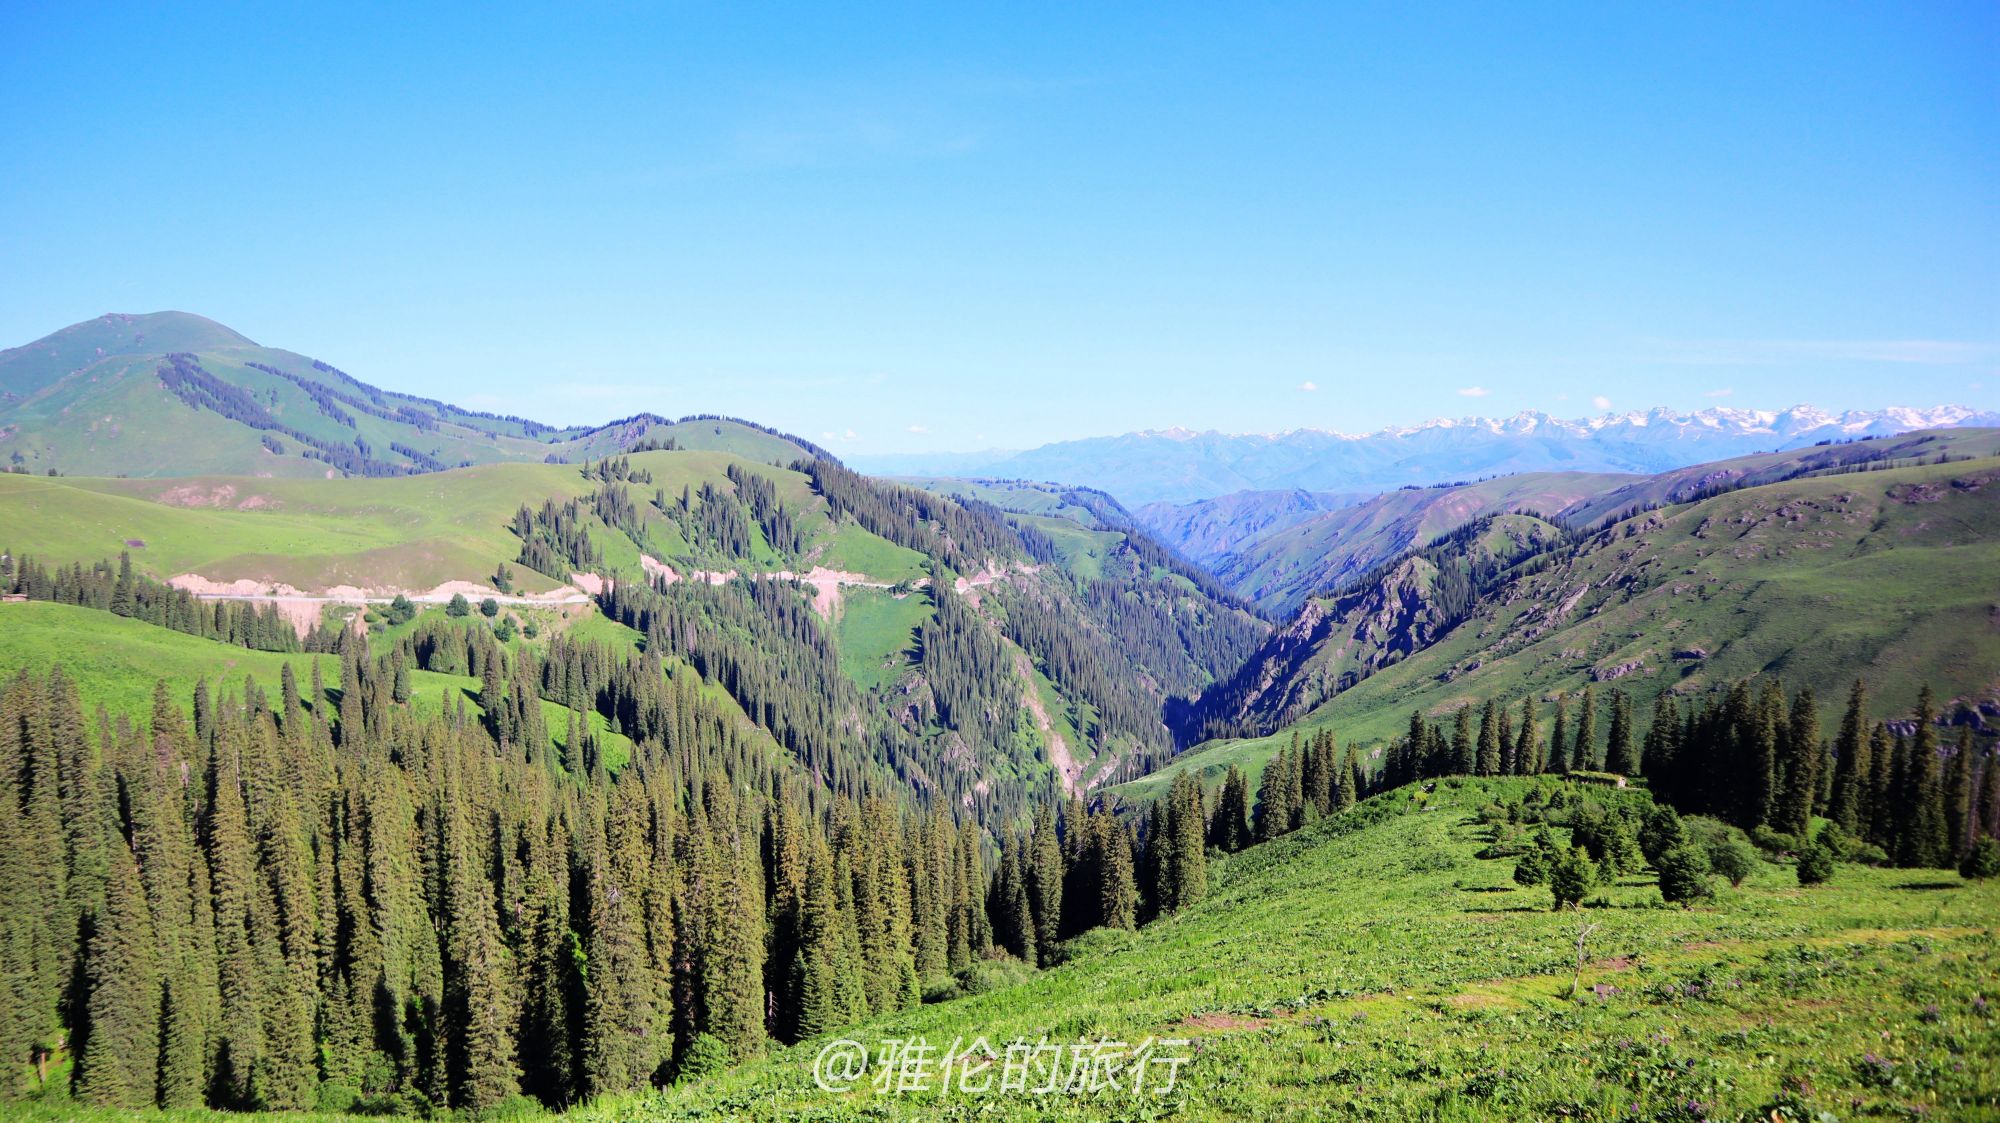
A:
[(407, 532), (116, 661), (108, 397), (1278, 571), (1884, 575)]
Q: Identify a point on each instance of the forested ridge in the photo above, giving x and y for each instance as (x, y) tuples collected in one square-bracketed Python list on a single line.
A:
[(335, 897)]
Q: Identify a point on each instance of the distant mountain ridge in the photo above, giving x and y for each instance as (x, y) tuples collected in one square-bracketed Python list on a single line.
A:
[(175, 394), (1182, 465)]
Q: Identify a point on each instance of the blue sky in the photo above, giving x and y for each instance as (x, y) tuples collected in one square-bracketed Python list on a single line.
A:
[(955, 227)]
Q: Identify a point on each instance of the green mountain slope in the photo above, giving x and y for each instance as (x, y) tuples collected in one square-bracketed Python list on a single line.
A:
[(1878, 574), (1374, 965), (856, 621), (172, 394), (1278, 571)]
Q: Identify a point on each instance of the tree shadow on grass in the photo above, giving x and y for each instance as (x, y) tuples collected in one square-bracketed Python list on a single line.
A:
[(1513, 908), (1929, 885)]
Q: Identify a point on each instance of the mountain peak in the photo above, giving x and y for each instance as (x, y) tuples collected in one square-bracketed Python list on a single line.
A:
[(32, 366)]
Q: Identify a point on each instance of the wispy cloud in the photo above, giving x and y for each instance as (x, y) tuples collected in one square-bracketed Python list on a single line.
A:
[(1601, 402), (1308, 386), (1774, 352), (1722, 393), (1473, 391), (918, 429)]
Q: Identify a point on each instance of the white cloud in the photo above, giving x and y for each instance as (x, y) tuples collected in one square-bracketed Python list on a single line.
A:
[(850, 434), (918, 429), (827, 436), (1722, 393), (1601, 402), (1473, 392), (1308, 387)]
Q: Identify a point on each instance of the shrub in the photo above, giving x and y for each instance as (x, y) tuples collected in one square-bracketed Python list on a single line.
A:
[(1683, 875), (1532, 868), (705, 1055), (1570, 877), (1732, 858), (1815, 864), (1775, 842), (458, 606), (401, 611), (1982, 861), (489, 608)]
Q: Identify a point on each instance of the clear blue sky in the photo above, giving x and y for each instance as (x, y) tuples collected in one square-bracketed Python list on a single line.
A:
[(941, 227)]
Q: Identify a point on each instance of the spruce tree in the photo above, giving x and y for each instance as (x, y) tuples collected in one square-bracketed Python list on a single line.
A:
[(1958, 799), (1583, 752), (1622, 756), (1801, 757), (1926, 842), (120, 1059), (1558, 755), (1230, 830), (1528, 741), (1488, 759), (1853, 765), (1464, 746)]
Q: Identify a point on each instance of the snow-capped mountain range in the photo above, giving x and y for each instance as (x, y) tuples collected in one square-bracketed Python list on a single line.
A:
[(1178, 465)]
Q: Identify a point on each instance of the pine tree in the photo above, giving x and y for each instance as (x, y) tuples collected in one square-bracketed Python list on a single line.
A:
[(1853, 765), (1118, 884), (1558, 757), (1622, 757), (1800, 753), (1044, 884), (1958, 799), (120, 1059), (830, 987), (1528, 742), (1230, 830), (1488, 761), (1926, 842), (1583, 753), (1464, 747)]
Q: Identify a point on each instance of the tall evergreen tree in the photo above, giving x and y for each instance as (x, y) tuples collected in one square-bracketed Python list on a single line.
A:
[(1622, 756), (1853, 765), (120, 1058), (1583, 752)]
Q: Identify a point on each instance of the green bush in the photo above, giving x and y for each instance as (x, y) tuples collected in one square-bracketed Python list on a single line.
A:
[(1815, 864), (1982, 861), (705, 1055), (489, 608), (458, 606), (1683, 875), (1570, 877)]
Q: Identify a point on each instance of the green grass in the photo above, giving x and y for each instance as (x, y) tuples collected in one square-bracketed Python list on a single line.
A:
[(854, 550), (404, 533), (115, 661), (1372, 967), (876, 632)]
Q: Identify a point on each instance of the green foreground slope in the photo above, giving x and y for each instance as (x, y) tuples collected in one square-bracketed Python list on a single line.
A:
[(1373, 966)]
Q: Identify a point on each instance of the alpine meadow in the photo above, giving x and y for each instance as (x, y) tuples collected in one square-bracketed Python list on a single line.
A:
[(1436, 564)]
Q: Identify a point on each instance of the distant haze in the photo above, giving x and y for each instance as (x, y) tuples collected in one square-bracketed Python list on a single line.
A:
[(1178, 465)]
